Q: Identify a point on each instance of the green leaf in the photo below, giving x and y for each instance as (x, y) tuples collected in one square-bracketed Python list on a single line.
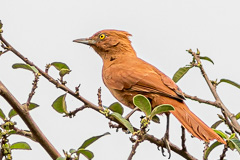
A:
[(64, 71), (216, 124), (32, 106), (60, 65), (155, 119), (230, 82), (160, 109), (21, 145), (88, 154), (238, 116), (207, 58), (25, 66), (91, 140), (142, 103), (126, 123), (236, 144), (61, 158), (60, 104), (116, 107), (214, 145), (180, 73), (2, 115), (1, 24), (220, 133), (72, 151), (12, 113), (232, 136)]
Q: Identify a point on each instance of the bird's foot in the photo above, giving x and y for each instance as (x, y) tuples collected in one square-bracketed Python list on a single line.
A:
[(165, 140)]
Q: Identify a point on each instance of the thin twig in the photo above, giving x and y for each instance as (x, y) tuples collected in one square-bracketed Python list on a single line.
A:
[(224, 152), (133, 151), (34, 87), (27, 134), (74, 112), (130, 113), (183, 137), (195, 98), (99, 94)]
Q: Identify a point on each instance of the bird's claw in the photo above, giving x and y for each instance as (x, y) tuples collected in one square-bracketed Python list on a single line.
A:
[(166, 143)]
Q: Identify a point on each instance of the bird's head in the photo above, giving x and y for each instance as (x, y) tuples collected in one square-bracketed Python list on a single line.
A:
[(108, 42)]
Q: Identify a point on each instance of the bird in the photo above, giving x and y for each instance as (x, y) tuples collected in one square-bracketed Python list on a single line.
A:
[(126, 75)]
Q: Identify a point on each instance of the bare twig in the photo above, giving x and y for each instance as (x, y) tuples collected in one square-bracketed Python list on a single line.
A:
[(130, 113), (24, 114), (27, 134), (133, 151), (183, 137), (99, 94), (73, 113), (224, 152), (34, 87), (195, 98)]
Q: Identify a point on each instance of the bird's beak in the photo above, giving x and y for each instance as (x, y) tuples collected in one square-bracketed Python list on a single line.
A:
[(86, 41)]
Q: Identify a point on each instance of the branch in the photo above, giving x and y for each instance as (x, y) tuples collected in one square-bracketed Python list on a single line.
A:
[(220, 104), (195, 98), (24, 114), (133, 151)]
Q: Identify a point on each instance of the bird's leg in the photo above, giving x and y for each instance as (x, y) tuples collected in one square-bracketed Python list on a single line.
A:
[(166, 138), (130, 114)]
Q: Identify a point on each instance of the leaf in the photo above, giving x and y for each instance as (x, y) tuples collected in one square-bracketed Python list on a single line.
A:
[(216, 124), (2, 115), (61, 158), (155, 119), (220, 133), (64, 71), (238, 116), (160, 109), (236, 144), (214, 145), (207, 58), (180, 73), (232, 136), (1, 24), (142, 103), (60, 104), (72, 151), (21, 145), (126, 123), (60, 65), (32, 106), (230, 82), (116, 107), (25, 66), (88, 154), (13, 113), (91, 140)]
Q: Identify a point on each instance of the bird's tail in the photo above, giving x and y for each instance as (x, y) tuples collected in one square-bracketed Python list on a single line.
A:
[(193, 124)]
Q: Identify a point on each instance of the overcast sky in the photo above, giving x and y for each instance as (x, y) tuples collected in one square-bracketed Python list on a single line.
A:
[(161, 32)]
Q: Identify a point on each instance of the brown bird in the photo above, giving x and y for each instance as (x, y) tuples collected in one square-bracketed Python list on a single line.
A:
[(126, 75)]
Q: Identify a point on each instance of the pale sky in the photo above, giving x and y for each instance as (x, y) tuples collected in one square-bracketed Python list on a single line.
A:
[(161, 32)]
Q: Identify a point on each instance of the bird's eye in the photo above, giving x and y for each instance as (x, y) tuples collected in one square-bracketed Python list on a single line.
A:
[(102, 36)]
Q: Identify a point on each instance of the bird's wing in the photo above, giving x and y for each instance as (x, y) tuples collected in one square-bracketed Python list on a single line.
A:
[(140, 77)]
